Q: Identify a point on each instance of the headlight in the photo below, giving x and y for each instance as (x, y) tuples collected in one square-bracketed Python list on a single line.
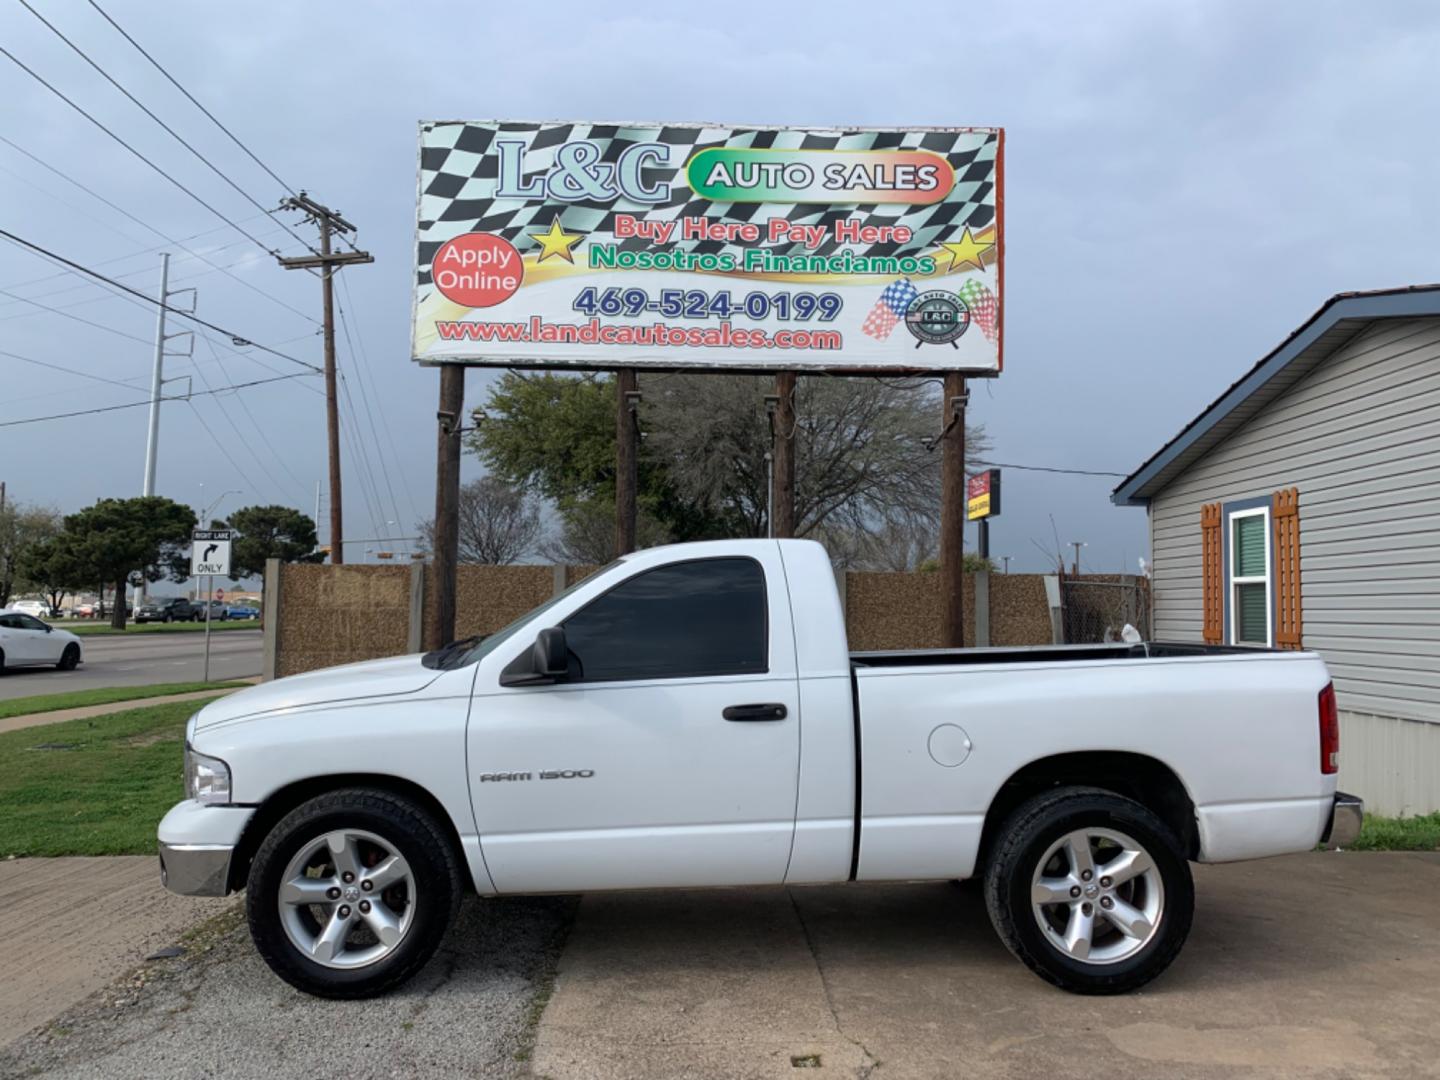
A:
[(207, 779)]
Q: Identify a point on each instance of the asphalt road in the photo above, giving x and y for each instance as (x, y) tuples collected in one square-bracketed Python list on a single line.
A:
[(142, 660)]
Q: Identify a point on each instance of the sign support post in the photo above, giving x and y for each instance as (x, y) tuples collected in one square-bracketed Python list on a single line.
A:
[(952, 512), (447, 501), (784, 468), (627, 403)]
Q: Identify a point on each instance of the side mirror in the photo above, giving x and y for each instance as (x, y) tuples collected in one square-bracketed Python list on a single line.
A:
[(547, 661)]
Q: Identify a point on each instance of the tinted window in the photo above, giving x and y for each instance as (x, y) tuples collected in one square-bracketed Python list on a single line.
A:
[(28, 622), (696, 618)]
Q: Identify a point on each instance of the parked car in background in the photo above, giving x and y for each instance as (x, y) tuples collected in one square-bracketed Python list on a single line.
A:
[(25, 641), (83, 610), (175, 609), (37, 608), (243, 611), (219, 612)]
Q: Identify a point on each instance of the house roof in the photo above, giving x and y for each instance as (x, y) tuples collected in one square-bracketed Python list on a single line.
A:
[(1338, 320)]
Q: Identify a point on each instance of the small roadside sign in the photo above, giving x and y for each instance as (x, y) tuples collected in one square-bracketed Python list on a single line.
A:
[(210, 552), (219, 594)]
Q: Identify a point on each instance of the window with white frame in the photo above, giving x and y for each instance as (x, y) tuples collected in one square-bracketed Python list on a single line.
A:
[(1249, 577)]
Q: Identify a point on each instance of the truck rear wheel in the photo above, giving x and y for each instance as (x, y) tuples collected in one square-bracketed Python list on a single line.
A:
[(351, 893), (1089, 890)]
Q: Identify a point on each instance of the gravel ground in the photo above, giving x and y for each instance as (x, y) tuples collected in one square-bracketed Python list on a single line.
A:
[(219, 1011)]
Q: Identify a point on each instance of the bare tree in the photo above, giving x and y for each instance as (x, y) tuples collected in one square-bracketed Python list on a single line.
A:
[(498, 523), (585, 535), (865, 460)]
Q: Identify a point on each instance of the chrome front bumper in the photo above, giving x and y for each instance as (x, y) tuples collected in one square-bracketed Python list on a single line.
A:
[(195, 869), (197, 843), (1345, 820)]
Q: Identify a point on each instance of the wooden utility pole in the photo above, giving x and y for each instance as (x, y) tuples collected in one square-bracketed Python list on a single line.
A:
[(627, 402), (329, 221), (447, 503), (784, 449), (952, 512)]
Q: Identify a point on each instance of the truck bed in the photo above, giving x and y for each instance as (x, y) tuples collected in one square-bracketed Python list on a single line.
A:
[(1032, 654)]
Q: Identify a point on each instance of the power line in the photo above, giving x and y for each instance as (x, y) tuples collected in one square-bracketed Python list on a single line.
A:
[(68, 101), (224, 450), (191, 316), (146, 402), (175, 83), (151, 229), (369, 413), (77, 318), (68, 370), (143, 108), (1047, 469)]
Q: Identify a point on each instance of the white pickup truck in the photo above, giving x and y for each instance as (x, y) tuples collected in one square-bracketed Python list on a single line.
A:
[(692, 716)]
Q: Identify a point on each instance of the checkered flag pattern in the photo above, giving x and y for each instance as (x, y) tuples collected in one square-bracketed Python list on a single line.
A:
[(984, 307), (889, 309), (459, 174)]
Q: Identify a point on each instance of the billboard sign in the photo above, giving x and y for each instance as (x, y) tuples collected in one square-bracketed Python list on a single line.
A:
[(590, 245), (982, 495)]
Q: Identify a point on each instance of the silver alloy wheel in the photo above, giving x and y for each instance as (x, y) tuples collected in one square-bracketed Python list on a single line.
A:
[(1097, 896), (347, 899)]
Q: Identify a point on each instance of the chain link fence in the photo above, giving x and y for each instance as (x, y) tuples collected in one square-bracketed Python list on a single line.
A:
[(1096, 609)]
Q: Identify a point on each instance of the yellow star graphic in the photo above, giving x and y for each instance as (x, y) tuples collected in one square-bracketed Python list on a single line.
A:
[(557, 242), (967, 250)]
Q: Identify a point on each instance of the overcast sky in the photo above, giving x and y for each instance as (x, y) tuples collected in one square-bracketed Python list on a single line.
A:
[(1185, 184)]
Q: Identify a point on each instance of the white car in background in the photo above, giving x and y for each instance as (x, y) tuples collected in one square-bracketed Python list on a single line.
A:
[(25, 641), (38, 608)]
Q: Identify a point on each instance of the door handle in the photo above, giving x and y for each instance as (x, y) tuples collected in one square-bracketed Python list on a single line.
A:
[(741, 713)]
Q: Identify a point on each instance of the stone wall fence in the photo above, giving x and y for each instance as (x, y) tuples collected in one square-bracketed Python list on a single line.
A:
[(320, 615)]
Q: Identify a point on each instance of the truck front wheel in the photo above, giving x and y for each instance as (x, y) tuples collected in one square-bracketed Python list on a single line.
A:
[(1089, 890), (351, 893)]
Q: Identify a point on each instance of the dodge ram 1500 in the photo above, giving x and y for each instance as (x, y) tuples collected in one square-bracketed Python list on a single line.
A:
[(693, 716)]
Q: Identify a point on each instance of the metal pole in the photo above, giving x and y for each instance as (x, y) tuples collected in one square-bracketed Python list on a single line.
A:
[(152, 441), (626, 465), (952, 513), (984, 527), (783, 470), (447, 502), (332, 406), (317, 511), (209, 588)]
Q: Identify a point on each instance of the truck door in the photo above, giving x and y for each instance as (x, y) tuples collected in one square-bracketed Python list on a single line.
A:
[(668, 757)]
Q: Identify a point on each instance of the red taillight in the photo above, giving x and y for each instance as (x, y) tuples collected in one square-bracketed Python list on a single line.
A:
[(1329, 731)]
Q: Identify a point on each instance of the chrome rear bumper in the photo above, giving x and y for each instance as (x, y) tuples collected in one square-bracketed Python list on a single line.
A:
[(1345, 820)]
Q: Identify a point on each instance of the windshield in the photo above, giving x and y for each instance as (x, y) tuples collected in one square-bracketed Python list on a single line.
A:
[(483, 648)]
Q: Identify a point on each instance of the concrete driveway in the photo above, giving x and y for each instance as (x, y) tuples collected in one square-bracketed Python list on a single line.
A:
[(1312, 966)]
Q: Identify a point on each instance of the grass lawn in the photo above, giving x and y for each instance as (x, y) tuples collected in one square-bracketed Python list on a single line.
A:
[(90, 628), (79, 698), (1399, 834), (92, 787)]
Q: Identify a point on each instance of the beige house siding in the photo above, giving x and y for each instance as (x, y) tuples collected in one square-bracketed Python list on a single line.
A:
[(1360, 437)]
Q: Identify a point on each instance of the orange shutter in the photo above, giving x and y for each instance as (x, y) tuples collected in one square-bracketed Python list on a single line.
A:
[(1285, 520), (1212, 575)]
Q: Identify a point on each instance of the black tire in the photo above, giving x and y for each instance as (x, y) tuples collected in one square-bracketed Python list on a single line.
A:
[(2, 661), (1026, 837), (70, 658), (166, 619), (412, 832)]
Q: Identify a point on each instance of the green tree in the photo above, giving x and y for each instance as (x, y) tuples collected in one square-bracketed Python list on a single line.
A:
[(270, 532), (117, 539), (864, 457), (21, 529), (51, 567)]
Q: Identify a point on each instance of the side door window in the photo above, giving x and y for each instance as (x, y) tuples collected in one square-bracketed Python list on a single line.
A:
[(684, 620)]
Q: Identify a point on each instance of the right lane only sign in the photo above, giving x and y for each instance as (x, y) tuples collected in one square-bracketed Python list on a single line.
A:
[(210, 552)]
